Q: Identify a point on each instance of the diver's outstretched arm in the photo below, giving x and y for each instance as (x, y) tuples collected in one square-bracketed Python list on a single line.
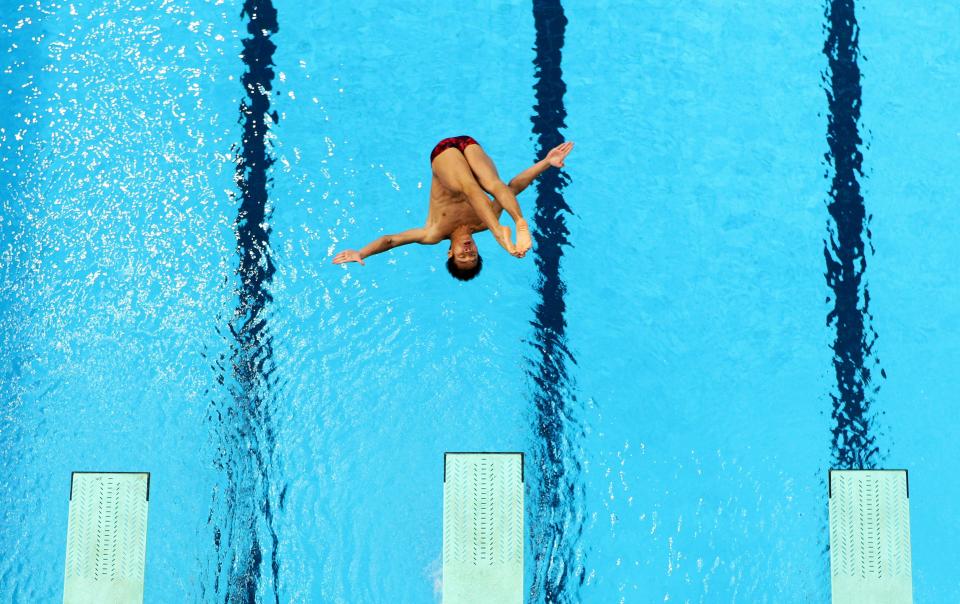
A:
[(382, 244), (554, 158)]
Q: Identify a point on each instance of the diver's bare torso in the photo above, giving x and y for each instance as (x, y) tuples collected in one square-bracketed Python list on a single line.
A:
[(449, 210)]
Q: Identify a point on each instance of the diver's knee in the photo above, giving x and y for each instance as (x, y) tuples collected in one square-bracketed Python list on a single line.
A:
[(497, 188)]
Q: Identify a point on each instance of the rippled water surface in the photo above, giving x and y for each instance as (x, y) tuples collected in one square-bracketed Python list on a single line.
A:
[(743, 276)]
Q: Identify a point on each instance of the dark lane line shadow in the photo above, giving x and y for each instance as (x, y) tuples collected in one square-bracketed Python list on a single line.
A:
[(242, 516), (556, 519), (853, 443)]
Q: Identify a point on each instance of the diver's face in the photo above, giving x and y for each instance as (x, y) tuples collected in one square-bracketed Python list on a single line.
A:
[(464, 253)]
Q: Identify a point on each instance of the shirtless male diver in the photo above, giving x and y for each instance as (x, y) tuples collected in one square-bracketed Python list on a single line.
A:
[(459, 207)]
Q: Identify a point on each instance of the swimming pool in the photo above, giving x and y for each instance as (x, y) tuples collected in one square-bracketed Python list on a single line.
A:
[(670, 356)]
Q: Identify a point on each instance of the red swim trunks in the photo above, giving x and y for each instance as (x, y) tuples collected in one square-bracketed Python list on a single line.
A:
[(460, 142)]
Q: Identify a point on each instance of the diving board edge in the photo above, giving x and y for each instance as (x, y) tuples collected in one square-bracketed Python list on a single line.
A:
[(906, 474), (520, 453), (74, 473)]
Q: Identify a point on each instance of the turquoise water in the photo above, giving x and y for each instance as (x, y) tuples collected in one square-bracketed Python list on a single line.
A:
[(666, 355)]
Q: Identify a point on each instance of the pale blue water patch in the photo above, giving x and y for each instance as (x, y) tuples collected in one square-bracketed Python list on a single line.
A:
[(696, 301), (115, 250)]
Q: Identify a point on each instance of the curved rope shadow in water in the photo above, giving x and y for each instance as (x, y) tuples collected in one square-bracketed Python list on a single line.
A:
[(556, 524), (853, 444)]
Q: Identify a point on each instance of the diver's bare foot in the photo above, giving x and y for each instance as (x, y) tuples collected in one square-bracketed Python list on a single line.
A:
[(524, 243), (505, 240)]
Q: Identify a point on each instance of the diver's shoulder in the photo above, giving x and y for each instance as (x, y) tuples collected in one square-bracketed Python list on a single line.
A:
[(434, 234)]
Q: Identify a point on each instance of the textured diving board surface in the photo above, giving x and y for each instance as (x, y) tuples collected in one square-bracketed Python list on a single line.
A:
[(870, 537), (106, 538), (483, 528)]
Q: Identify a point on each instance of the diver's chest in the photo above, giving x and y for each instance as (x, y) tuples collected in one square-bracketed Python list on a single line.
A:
[(456, 208)]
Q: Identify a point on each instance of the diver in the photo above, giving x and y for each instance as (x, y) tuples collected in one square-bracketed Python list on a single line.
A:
[(462, 176)]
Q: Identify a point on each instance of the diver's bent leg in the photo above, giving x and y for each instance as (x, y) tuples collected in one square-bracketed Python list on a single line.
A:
[(486, 174), (452, 170)]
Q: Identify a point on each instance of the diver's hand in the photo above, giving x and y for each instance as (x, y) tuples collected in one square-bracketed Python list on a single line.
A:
[(502, 234), (523, 238), (348, 256), (558, 154)]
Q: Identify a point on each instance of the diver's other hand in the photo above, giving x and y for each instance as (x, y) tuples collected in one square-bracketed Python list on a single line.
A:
[(559, 153), (348, 256), (523, 238)]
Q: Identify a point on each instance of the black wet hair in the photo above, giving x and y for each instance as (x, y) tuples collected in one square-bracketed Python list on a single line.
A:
[(464, 274)]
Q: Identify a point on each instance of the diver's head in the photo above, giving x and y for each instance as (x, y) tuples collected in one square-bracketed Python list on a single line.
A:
[(463, 259)]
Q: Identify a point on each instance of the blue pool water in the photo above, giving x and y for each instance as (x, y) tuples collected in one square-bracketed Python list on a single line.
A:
[(743, 276)]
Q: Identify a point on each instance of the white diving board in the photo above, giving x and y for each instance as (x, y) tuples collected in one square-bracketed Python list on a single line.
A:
[(483, 528), (106, 538), (870, 537)]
